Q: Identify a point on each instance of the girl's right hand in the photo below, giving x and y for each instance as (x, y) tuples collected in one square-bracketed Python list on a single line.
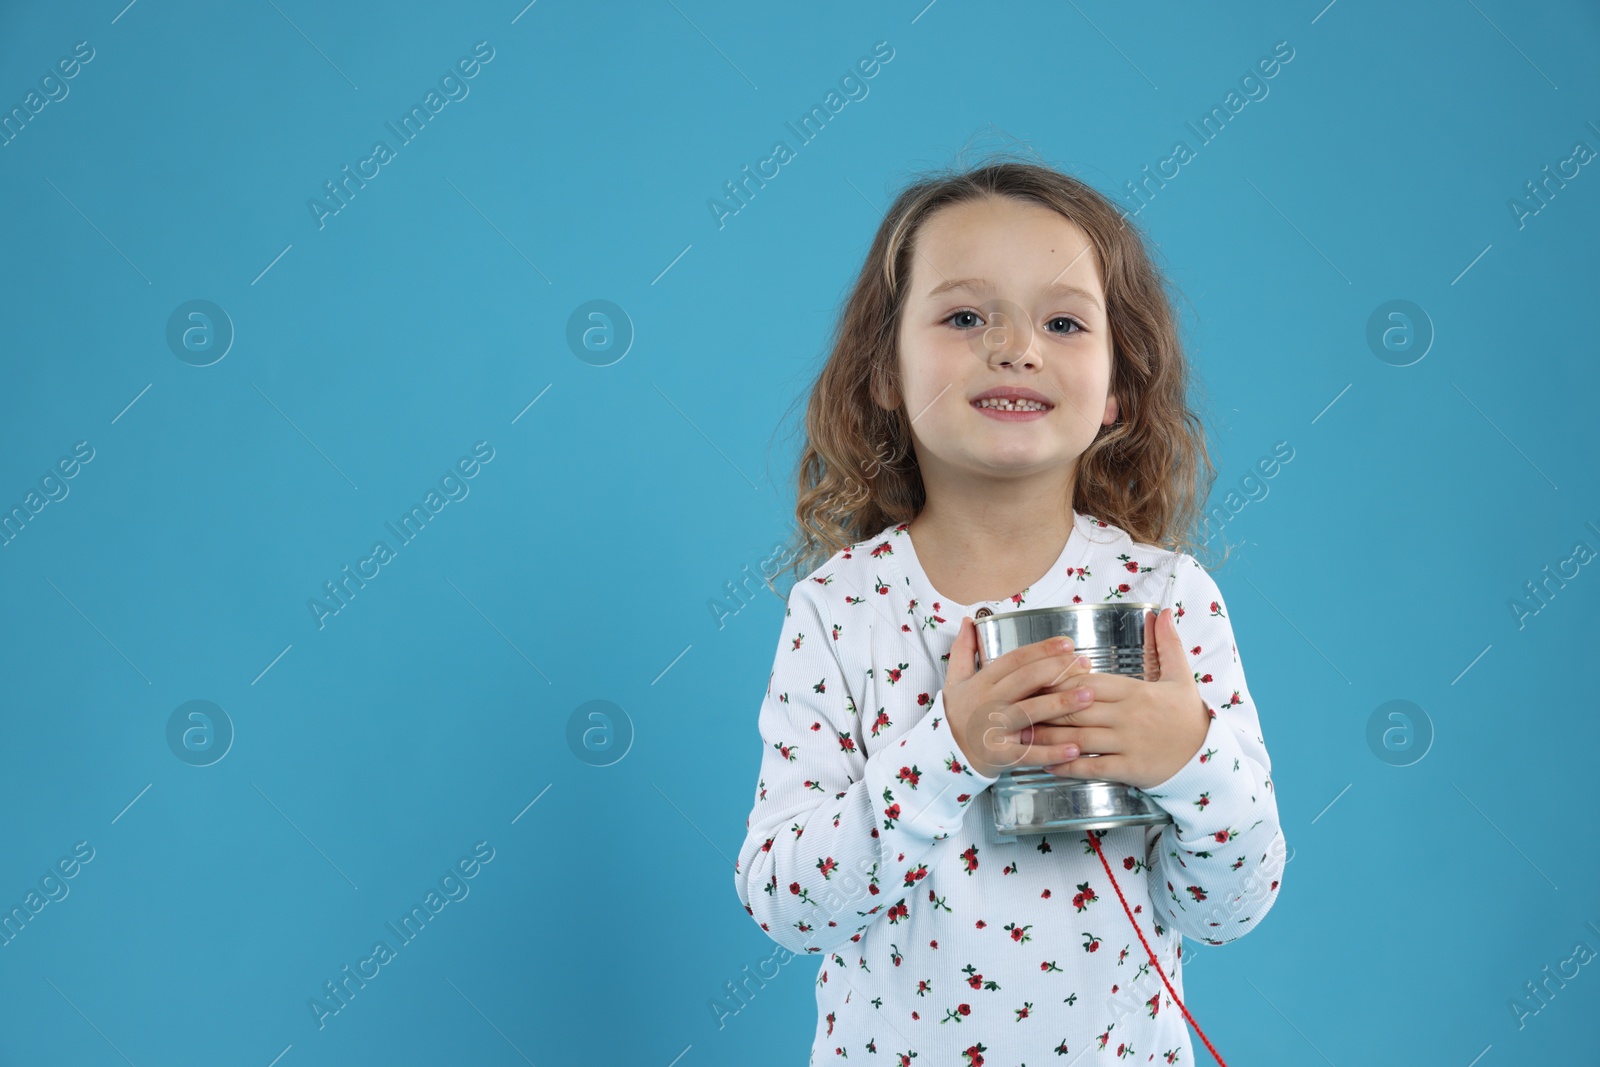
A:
[(987, 709)]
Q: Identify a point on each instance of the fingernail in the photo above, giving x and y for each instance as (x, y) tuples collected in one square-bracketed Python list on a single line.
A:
[(1083, 661)]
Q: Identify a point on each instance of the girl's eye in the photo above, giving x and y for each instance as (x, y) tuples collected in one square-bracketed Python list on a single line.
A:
[(965, 313)]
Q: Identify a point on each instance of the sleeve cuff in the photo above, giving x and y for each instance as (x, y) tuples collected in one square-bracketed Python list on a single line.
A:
[(921, 782)]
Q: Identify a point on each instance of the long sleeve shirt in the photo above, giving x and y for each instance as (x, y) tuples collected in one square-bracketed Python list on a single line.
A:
[(871, 842)]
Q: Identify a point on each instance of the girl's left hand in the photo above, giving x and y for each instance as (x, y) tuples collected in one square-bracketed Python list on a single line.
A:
[(1143, 731)]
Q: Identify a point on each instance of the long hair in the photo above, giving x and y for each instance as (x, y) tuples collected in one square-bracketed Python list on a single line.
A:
[(858, 473)]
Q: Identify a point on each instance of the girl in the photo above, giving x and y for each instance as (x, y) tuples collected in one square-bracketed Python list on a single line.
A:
[(1002, 424)]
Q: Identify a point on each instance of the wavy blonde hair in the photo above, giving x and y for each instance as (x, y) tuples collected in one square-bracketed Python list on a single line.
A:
[(858, 473)]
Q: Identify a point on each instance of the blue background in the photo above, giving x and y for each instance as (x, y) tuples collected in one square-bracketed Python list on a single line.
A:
[(432, 312)]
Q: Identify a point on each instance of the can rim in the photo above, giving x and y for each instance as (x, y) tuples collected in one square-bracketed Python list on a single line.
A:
[(1067, 607)]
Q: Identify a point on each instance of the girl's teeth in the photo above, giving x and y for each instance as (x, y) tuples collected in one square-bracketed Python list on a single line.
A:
[(1008, 405)]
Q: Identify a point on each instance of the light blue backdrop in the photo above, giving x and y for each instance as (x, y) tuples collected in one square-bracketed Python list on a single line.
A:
[(345, 361)]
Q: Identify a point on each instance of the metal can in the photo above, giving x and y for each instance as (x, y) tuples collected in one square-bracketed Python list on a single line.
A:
[(1115, 639)]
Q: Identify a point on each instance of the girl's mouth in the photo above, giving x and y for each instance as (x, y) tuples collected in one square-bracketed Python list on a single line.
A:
[(1012, 410)]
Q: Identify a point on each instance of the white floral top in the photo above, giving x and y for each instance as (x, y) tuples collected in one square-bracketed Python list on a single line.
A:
[(871, 843)]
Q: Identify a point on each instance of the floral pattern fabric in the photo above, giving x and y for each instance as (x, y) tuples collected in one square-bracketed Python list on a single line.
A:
[(871, 843)]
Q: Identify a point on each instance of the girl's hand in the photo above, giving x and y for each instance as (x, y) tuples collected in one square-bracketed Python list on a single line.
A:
[(1143, 731), (987, 710)]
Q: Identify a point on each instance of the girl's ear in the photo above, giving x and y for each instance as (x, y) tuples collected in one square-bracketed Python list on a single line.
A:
[(1111, 411), (882, 395)]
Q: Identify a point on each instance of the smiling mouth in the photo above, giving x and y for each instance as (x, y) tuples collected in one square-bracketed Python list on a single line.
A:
[(1006, 404)]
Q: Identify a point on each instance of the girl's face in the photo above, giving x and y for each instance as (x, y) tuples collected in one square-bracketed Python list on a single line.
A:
[(1004, 295)]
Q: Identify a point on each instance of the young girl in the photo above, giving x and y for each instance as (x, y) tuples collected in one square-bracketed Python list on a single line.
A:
[(1002, 425)]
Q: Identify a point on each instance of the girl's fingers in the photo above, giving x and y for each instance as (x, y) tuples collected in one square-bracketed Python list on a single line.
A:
[(1111, 768), (1036, 755), (1087, 738), (1068, 674), (1062, 710)]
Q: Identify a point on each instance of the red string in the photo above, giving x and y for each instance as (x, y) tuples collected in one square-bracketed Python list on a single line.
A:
[(1096, 843)]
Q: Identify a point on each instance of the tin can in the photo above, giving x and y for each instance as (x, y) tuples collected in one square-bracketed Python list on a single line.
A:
[(1032, 800)]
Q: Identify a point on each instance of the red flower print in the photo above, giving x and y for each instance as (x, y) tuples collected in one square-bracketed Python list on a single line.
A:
[(976, 980)]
